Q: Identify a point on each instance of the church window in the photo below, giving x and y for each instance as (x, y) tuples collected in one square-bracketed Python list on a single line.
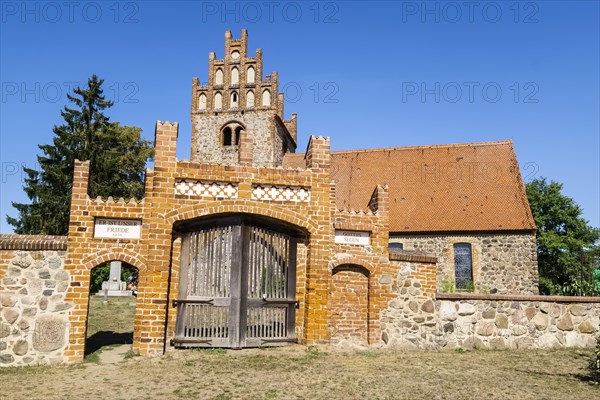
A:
[(395, 246), (463, 265)]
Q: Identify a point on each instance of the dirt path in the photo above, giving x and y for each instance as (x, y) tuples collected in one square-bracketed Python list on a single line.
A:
[(114, 354), (299, 373)]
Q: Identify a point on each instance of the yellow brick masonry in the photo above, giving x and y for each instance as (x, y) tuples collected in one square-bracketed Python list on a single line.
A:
[(156, 253)]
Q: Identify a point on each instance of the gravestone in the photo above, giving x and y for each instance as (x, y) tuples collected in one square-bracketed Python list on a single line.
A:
[(114, 286)]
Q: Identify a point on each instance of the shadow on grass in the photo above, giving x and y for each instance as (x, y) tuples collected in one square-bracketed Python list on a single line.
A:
[(591, 378), (105, 338)]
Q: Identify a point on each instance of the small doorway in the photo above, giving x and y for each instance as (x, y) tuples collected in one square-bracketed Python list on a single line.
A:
[(349, 305), (111, 307)]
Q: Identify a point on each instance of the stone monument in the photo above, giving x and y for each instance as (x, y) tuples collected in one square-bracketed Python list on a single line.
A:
[(114, 286)]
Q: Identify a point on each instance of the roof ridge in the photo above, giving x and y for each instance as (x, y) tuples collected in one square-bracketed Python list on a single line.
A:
[(433, 146)]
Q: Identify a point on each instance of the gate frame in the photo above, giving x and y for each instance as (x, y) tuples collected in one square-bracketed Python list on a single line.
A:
[(241, 222), (78, 327)]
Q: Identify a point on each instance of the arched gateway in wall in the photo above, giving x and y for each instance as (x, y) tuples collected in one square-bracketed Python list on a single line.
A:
[(237, 282)]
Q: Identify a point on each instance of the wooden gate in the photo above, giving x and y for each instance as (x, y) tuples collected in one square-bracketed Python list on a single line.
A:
[(237, 287)]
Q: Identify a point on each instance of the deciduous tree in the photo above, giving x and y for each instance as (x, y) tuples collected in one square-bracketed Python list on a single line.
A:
[(567, 245)]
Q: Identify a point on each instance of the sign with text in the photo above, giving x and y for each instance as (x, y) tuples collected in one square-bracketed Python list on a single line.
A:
[(112, 228), (353, 237)]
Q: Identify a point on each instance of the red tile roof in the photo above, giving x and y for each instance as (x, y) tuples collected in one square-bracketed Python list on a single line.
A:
[(443, 188), (465, 187)]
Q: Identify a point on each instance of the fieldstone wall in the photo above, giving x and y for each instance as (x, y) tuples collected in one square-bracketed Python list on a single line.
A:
[(491, 322), (208, 148), (502, 263), (279, 135), (34, 315)]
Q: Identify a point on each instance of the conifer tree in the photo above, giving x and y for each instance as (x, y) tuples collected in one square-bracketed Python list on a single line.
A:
[(116, 152)]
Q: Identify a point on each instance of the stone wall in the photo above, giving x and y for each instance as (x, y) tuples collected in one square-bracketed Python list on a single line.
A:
[(34, 316), (491, 322), (502, 263), (208, 148)]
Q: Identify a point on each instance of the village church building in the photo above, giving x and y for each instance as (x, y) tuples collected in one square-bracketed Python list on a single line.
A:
[(254, 242)]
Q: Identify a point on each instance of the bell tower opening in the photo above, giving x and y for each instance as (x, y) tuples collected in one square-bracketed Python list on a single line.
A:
[(227, 136)]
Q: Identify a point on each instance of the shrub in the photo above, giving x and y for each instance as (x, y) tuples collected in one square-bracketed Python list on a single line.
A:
[(595, 364), (447, 286)]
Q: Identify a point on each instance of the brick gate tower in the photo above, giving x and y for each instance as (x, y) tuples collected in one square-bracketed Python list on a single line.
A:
[(237, 99)]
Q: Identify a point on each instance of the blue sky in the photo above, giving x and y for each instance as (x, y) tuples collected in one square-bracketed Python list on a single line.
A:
[(374, 74)]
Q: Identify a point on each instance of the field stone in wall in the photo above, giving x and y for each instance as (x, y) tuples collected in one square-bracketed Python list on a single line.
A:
[(20, 348), (10, 315), (5, 330), (49, 333), (541, 321), (22, 260), (448, 311), (565, 323), (7, 300), (586, 327), (578, 310)]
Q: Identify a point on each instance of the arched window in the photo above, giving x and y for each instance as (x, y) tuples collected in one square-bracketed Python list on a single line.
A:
[(250, 75), (235, 76), (227, 136), (395, 246), (218, 101), (231, 133), (219, 77), (249, 99), (238, 133), (266, 98), (463, 265), (234, 100), (202, 102)]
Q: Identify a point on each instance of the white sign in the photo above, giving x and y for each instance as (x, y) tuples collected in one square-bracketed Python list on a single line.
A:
[(111, 228), (353, 237)]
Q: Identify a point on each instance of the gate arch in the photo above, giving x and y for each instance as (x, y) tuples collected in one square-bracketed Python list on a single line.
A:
[(213, 208), (124, 255)]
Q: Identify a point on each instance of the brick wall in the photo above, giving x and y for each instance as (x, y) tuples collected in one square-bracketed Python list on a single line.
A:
[(349, 305), (163, 207)]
